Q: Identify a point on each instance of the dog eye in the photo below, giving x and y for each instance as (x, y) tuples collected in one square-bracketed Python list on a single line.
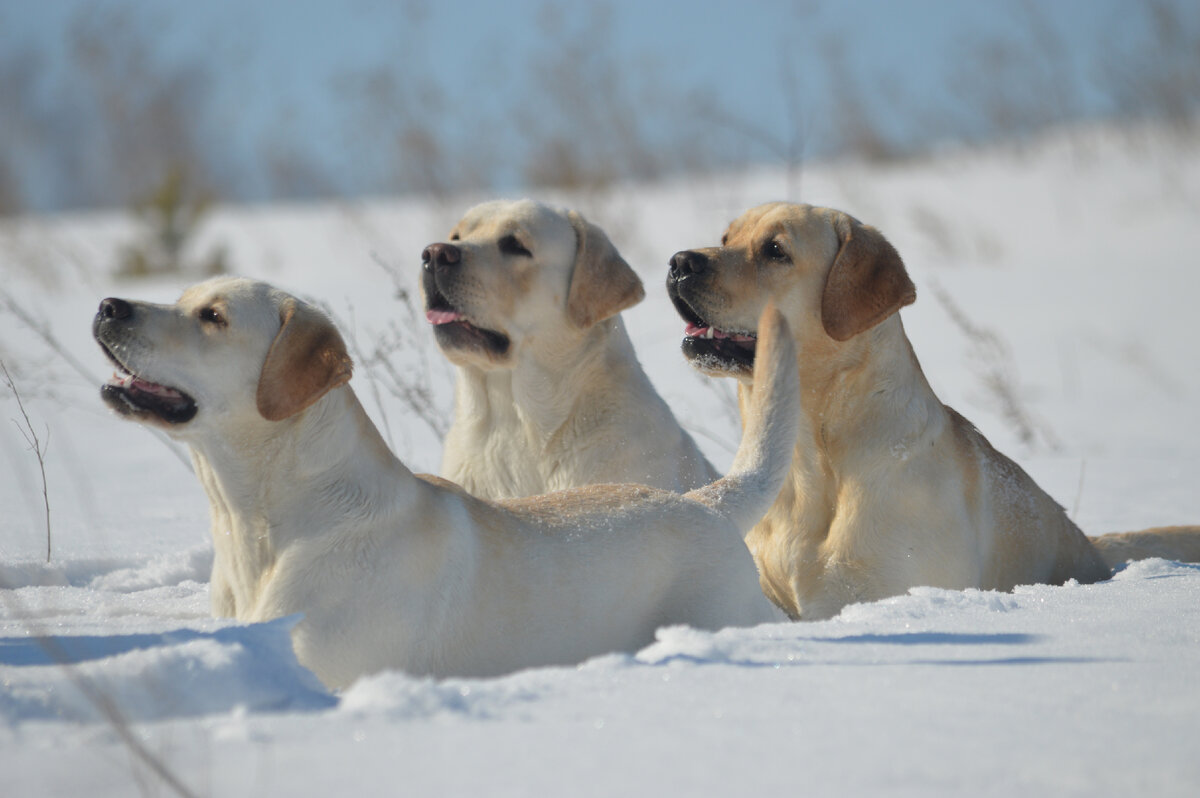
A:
[(211, 316), (772, 251), (509, 245)]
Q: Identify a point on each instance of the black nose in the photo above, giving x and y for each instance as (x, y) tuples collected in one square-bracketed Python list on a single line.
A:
[(113, 308), (440, 255), (686, 263)]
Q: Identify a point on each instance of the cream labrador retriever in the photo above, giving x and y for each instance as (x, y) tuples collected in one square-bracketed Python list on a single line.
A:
[(889, 488), (524, 300), (312, 514)]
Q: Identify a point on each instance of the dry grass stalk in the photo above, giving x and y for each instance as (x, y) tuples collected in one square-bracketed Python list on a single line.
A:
[(35, 445), (998, 374), (92, 692)]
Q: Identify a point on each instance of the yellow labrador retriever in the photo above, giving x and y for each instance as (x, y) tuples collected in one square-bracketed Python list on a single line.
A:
[(524, 298), (312, 514), (889, 488)]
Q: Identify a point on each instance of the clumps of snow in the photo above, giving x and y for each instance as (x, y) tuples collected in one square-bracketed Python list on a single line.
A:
[(768, 645), (1153, 568), (400, 696), (154, 677), (17, 574), (684, 643), (929, 602), (191, 565), (120, 574)]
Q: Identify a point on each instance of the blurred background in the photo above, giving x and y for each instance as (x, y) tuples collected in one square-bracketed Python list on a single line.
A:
[(125, 102)]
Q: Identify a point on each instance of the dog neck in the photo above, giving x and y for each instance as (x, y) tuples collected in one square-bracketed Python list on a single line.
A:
[(274, 484), (541, 392), (870, 395), (861, 403)]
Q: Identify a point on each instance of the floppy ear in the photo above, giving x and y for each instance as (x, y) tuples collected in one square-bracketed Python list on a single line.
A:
[(307, 359), (602, 284), (866, 283)]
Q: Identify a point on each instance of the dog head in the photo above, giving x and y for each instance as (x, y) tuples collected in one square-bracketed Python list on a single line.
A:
[(833, 277), (517, 274), (229, 348)]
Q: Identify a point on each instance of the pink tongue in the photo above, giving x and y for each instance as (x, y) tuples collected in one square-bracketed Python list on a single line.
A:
[(442, 316), (154, 388), (697, 331)]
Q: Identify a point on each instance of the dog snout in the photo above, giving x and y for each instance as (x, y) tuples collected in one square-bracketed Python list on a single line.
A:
[(440, 255), (116, 309), (686, 263)]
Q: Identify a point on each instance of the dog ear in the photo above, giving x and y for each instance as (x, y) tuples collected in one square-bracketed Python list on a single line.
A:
[(866, 283), (307, 359), (602, 284)]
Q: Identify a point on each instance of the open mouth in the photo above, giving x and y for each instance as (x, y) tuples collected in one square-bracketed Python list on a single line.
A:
[(453, 330), (130, 395), (710, 348)]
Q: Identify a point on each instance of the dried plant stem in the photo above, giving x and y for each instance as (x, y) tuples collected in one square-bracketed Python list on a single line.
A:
[(997, 373), (35, 445), (414, 386), (103, 702)]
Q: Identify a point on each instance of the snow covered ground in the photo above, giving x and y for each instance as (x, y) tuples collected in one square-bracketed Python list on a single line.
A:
[(1073, 262)]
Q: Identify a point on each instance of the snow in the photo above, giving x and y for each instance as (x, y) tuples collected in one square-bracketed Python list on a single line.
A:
[(1078, 253)]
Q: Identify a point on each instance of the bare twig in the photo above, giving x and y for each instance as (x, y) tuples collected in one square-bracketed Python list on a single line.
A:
[(35, 446), (415, 386), (103, 702)]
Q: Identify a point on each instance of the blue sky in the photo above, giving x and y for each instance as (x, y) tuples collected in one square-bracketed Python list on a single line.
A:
[(281, 68)]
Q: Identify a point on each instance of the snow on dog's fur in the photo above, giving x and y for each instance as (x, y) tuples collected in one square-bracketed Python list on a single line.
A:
[(312, 514)]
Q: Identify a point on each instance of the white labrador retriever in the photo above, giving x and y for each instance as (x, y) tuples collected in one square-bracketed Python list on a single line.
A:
[(312, 514), (524, 299), (889, 488)]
